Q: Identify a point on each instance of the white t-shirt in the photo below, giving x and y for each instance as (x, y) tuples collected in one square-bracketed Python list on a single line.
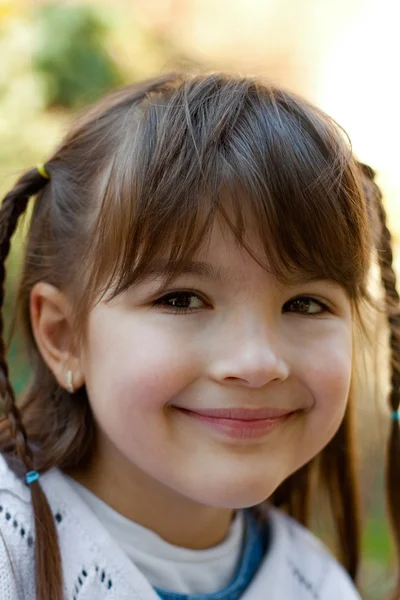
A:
[(296, 566), (169, 567)]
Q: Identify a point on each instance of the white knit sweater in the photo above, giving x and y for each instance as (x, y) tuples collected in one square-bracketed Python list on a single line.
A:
[(296, 566)]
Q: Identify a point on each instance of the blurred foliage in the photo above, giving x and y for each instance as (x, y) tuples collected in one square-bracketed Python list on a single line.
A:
[(27, 131), (58, 57), (71, 55)]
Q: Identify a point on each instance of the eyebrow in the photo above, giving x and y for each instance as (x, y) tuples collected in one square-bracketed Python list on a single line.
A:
[(203, 270)]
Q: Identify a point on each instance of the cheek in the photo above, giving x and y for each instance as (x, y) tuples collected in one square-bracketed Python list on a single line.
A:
[(132, 362), (329, 376)]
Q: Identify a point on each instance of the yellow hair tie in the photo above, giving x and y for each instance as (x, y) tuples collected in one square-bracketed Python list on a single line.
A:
[(42, 170)]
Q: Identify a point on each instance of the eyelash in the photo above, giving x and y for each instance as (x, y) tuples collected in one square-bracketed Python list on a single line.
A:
[(324, 307), (162, 302)]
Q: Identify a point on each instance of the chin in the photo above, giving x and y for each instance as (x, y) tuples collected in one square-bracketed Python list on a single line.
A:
[(236, 496)]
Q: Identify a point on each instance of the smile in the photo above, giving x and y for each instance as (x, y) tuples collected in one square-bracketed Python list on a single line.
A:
[(238, 423)]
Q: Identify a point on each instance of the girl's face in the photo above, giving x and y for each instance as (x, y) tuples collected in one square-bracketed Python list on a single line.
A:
[(224, 383)]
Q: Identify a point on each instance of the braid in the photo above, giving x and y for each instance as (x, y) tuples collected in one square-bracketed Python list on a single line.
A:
[(48, 584), (392, 300), (13, 206)]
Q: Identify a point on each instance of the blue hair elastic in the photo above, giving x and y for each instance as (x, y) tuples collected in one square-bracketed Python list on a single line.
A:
[(395, 415), (31, 477)]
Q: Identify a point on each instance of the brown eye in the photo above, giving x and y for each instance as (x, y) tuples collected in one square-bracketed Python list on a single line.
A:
[(305, 305), (181, 301)]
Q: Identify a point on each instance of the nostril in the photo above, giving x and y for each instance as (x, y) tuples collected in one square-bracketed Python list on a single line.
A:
[(249, 369)]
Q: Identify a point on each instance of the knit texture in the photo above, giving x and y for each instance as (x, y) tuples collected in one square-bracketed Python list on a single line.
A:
[(296, 566)]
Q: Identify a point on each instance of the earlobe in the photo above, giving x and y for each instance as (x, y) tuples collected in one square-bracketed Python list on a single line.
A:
[(51, 324)]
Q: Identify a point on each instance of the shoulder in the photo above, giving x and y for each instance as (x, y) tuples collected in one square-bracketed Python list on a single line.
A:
[(16, 533), (306, 561), (8, 582), (14, 498), (15, 503)]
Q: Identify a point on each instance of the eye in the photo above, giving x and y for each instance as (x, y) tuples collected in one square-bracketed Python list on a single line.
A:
[(180, 301), (305, 305)]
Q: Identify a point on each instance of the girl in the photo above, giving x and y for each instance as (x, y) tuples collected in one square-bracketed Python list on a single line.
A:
[(194, 270)]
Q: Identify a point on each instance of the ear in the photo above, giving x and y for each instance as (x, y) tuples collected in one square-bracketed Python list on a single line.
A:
[(51, 324)]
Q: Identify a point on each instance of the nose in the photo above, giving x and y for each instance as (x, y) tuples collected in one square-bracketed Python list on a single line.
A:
[(252, 362)]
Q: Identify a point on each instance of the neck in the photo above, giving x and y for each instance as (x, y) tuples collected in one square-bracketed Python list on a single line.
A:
[(131, 492)]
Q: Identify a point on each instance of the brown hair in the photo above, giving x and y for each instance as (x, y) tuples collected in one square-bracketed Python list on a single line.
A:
[(142, 175), (392, 302)]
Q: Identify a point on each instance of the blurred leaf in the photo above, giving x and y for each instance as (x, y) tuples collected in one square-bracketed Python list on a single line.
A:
[(71, 55)]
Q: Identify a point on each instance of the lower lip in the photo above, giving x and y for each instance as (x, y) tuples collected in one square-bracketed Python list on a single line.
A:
[(237, 428)]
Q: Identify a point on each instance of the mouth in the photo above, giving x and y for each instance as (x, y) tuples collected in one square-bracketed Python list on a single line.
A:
[(240, 423)]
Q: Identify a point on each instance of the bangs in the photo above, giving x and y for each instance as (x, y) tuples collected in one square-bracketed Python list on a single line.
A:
[(268, 164)]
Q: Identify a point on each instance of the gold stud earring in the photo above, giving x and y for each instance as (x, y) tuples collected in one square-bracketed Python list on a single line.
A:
[(69, 382)]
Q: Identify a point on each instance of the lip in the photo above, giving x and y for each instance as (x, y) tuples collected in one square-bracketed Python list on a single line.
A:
[(240, 423), (243, 414)]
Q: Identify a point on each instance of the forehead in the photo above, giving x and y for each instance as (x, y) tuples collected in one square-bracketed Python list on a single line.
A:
[(231, 255), (226, 260)]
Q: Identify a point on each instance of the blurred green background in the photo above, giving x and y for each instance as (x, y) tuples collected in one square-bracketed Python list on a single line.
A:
[(56, 57)]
